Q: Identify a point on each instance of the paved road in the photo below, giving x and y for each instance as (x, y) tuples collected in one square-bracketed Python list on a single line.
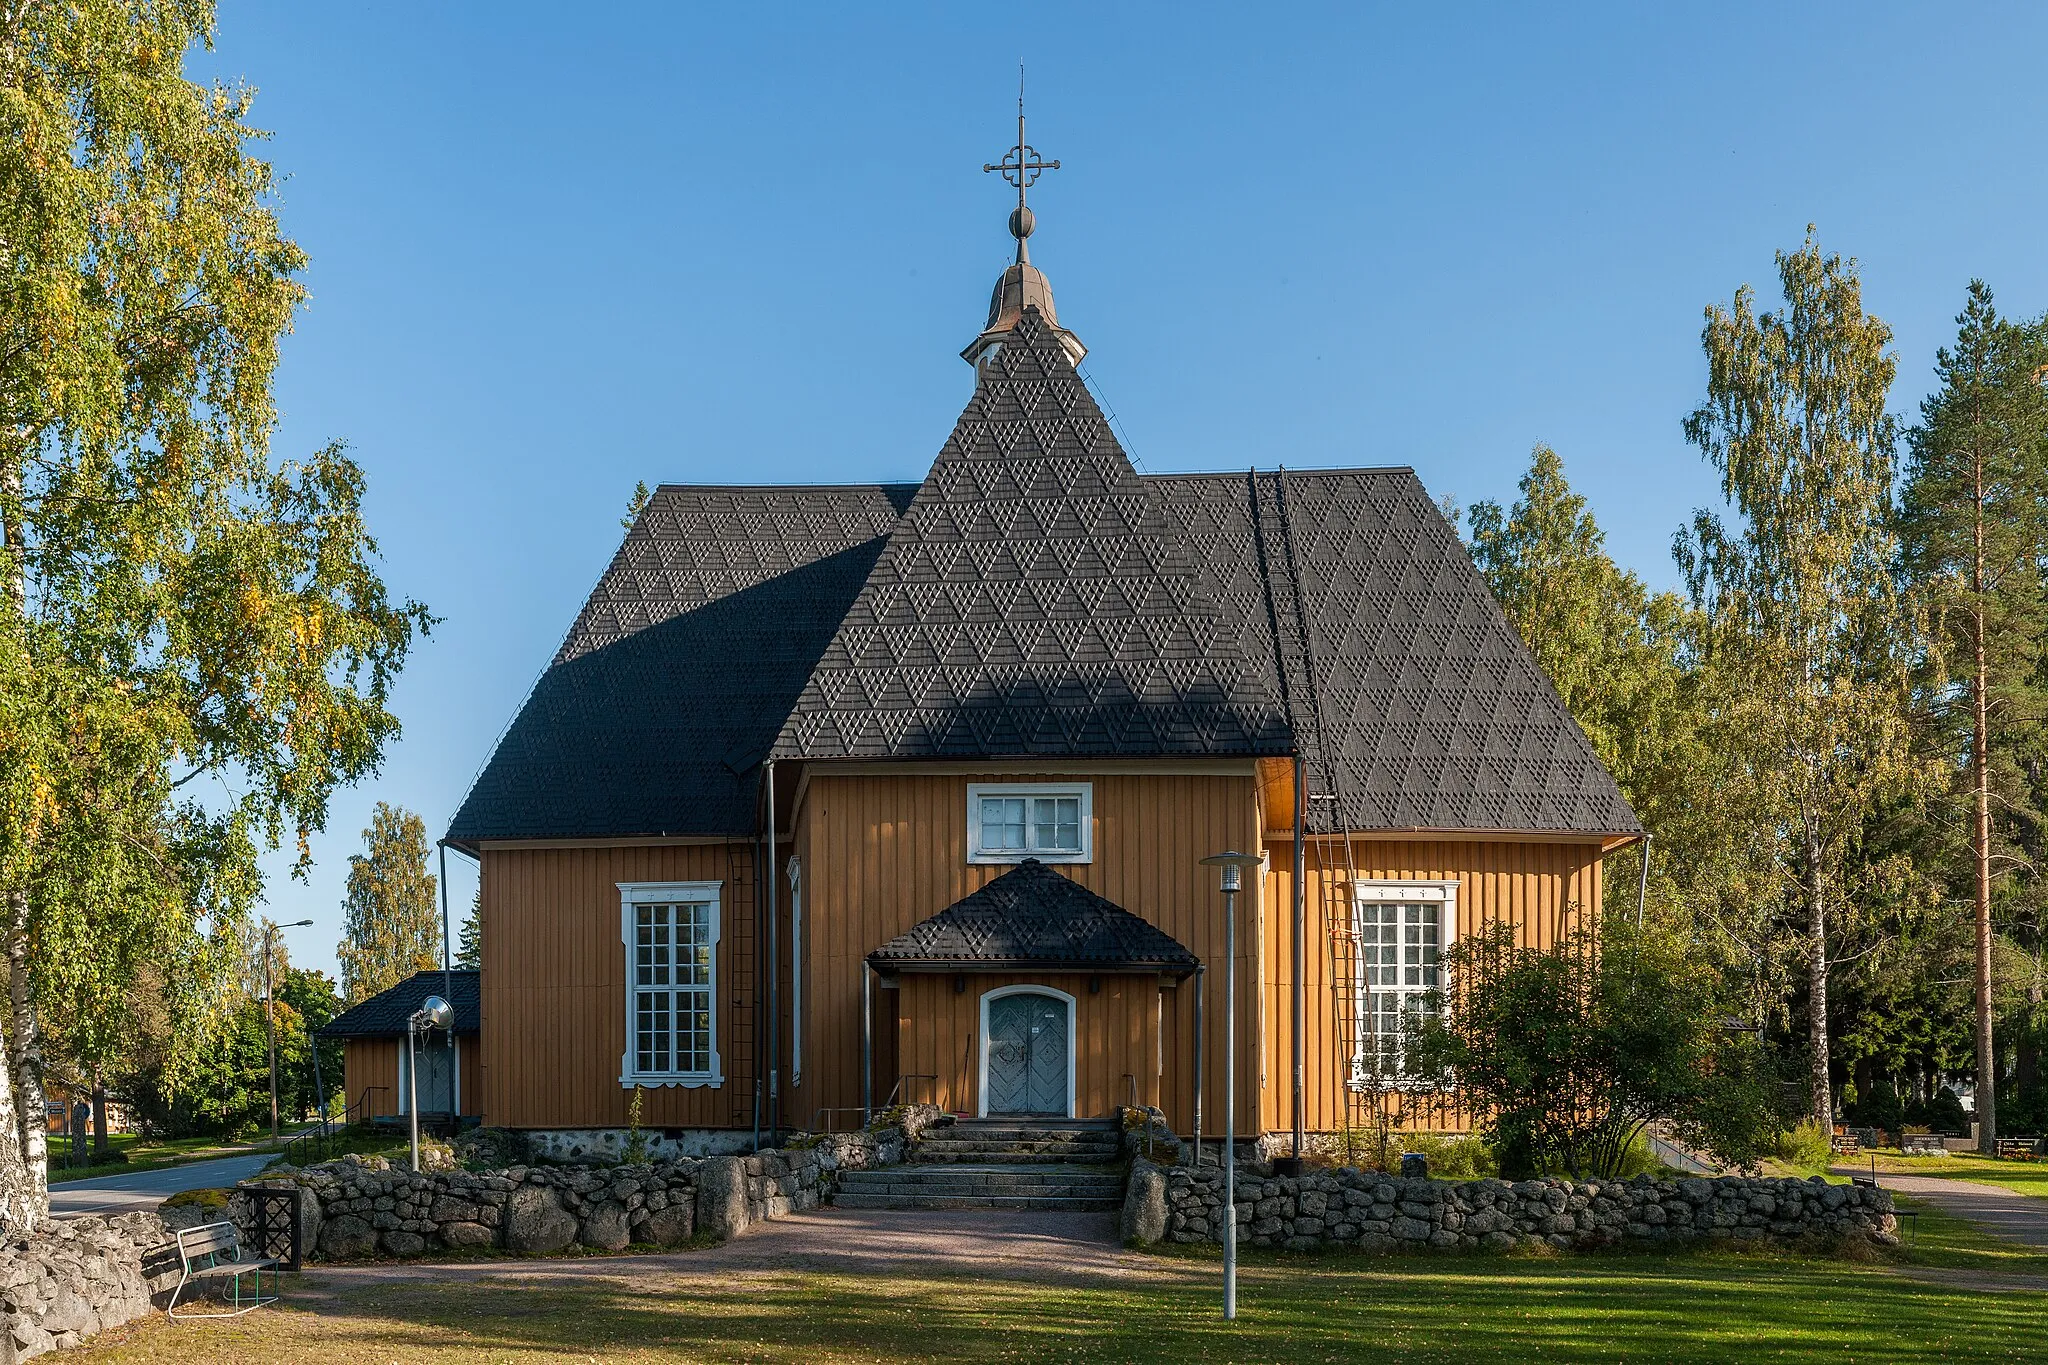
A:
[(147, 1189), (2006, 1213)]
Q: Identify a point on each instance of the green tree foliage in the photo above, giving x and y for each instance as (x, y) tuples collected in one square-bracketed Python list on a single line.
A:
[(469, 940), (1800, 594), (195, 647), (1570, 1053), (1975, 532), (391, 926)]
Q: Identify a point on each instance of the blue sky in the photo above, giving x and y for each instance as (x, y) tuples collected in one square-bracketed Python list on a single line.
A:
[(556, 250)]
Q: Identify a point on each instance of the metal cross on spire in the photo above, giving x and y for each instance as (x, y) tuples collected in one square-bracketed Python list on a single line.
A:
[(1021, 166)]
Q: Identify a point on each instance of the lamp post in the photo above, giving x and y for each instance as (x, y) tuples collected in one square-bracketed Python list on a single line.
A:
[(1233, 865), (433, 1013), (270, 1013)]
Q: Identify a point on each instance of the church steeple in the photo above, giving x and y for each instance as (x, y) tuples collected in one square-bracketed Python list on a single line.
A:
[(1023, 285)]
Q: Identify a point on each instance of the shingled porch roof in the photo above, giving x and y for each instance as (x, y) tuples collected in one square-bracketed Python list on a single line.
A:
[(1033, 918)]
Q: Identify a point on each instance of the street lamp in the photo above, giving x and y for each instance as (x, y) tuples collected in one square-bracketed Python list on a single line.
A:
[(1233, 865), (270, 1013), (433, 1013)]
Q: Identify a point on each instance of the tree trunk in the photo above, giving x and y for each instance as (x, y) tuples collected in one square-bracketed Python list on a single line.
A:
[(24, 1184), (99, 1118), (25, 1055), (1980, 833), (1822, 1098)]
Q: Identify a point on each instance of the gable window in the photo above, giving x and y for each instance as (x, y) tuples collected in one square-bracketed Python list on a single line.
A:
[(670, 931), (1400, 930), (1008, 822)]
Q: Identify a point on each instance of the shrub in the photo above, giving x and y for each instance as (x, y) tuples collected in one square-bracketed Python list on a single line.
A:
[(1945, 1114), (1454, 1157), (1805, 1145)]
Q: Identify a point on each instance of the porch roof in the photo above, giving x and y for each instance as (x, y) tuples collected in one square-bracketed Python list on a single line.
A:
[(1032, 917)]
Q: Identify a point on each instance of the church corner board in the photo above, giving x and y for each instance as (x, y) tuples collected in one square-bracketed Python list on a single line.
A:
[(843, 796)]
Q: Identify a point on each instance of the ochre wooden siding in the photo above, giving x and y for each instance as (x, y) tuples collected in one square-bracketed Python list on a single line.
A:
[(554, 987), (882, 852), (1543, 889), (371, 1065), (1115, 1037)]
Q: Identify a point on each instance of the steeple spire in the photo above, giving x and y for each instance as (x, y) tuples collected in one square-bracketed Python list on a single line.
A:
[(1022, 286), (1021, 166)]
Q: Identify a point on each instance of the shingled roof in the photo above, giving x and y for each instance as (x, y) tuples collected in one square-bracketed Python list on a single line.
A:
[(1416, 704), (1035, 599), (1035, 596), (683, 665), (388, 1013), (1033, 917)]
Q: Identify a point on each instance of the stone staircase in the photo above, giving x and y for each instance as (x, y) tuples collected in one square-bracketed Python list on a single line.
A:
[(984, 1164)]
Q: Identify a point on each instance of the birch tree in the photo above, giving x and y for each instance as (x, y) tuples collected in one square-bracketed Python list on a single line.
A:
[(1976, 535), (195, 645), (1800, 590)]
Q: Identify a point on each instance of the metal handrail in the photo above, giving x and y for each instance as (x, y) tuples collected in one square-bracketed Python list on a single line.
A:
[(818, 1118), (312, 1144)]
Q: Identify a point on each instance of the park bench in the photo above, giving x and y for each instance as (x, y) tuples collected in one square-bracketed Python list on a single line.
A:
[(214, 1251)]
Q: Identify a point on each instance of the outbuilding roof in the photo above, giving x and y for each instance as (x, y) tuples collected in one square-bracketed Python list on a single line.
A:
[(1032, 917), (387, 1013)]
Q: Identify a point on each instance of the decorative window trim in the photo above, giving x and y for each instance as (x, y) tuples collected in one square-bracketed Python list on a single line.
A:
[(669, 893), (1073, 1043), (1443, 894), (796, 972), (977, 790)]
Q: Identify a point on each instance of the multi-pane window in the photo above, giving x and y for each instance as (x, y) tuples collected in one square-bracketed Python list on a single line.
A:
[(1399, 946), (671, 983), (1008, 823)]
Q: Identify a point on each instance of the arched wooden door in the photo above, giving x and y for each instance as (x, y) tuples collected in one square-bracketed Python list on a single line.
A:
[(1028, 1054)]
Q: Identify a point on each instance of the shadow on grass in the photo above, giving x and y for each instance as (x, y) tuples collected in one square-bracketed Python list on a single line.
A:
[(1689, 1307)]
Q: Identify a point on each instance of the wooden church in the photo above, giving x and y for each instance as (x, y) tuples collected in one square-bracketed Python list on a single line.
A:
[(837, 797)]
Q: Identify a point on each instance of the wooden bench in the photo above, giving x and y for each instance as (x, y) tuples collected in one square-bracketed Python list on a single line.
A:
[(214, 1251)]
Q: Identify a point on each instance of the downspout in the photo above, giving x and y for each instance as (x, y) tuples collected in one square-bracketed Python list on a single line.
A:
[(867, 1044), (1300, 955), (1201, 1050), (1643, 882), (448, 994), (774, 976)]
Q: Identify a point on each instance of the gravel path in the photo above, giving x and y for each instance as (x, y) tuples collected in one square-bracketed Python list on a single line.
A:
[(2007, 1213), (1057, 1247)]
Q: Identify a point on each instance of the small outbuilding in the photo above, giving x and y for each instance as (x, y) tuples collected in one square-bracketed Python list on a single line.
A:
[(378, 1064)]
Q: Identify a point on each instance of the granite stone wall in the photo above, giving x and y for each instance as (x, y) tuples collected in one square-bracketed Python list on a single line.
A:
[(74, 1277), (360, 1207), (1347, 1207)]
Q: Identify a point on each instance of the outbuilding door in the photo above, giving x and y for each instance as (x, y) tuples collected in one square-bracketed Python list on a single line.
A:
[(1029, 1052)]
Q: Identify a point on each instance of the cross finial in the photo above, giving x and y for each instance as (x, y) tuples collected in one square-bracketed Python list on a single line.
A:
[(1021, 166)]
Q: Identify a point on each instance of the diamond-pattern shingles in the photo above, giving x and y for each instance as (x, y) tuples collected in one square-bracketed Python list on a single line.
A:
[(1416, 703), (683, 665), (1051, 602), (1031, 916)]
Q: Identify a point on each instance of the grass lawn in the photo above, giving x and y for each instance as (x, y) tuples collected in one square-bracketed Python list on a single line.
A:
[(142, 1154), (1696, 1306)]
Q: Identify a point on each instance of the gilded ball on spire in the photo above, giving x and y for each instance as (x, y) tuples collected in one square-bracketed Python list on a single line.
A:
[(1022, 221)]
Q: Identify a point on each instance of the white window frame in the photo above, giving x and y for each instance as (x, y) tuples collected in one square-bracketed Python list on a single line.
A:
[(796, 972), (1444, 895), (1083, 790), (633, 894)]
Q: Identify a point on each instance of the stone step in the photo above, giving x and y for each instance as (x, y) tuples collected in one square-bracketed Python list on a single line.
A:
[(1007, 1158), (981, 1142), (1064, 1203), (977, 1182)]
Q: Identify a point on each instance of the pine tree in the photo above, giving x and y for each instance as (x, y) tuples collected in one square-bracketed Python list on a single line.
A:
[(469, 942), (1801, 594), (390, 925), (1975, 529)]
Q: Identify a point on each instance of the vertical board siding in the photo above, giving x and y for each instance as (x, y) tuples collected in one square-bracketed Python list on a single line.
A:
[(1543, 889), (1113, 1031), (881, 853), (554, 987), (371, 1064)]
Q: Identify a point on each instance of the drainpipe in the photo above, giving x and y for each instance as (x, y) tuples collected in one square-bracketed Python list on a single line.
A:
[(867, 1045), (1300, 955), (1643, 882), (1201, 1049), (774, 977), (448, 991)]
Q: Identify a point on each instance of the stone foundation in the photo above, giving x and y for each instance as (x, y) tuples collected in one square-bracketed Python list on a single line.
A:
[(604, 1145), (1347, 1207)]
